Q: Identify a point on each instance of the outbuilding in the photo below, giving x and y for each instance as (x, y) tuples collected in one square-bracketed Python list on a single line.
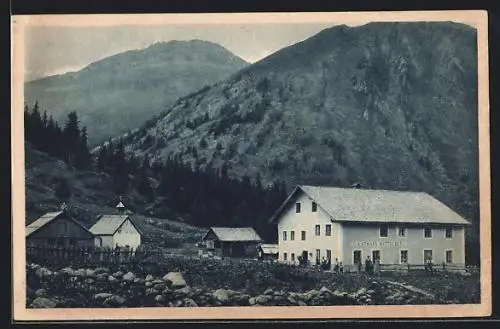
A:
[(231, 242), (351, 224), (58, 229), (268, 251)]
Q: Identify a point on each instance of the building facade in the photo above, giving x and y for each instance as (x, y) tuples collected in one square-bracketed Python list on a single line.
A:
[(348, 225), (58, 229), (113, 231)]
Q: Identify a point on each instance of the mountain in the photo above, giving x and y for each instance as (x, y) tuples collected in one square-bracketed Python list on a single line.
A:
[(114, 94), (390, 105)]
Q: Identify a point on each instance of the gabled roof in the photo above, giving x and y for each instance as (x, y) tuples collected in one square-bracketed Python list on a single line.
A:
[(109, 224), (120, 205), (365, 205), (47, 218), (269, 248), (227, 234)]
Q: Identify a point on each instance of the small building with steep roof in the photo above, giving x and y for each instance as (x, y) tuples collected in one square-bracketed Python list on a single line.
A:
[(352, 224), (116, 231), (58, 228), (231, 242), (268, 251)]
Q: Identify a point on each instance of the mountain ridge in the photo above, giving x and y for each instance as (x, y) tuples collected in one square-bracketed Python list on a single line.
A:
[(133, 84)]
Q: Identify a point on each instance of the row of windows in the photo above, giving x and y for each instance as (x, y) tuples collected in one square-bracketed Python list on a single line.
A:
[(314, 207), (402, 232), (317, 231), (376, 254)]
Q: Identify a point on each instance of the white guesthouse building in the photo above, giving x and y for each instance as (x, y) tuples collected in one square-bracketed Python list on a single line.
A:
[(352, 223)]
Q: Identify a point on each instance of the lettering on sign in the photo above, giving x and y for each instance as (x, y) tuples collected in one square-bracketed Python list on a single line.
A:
[(381, 244)]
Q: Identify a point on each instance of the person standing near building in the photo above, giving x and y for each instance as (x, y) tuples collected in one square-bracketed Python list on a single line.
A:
[(376, 266), (336, 267), (368, 265)]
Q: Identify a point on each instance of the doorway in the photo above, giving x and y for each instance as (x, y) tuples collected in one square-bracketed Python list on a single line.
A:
[(375, 255), (305, 256), (357, 256)]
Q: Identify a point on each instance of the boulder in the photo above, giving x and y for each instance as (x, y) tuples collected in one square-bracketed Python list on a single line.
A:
[(129, 277), (89, 281), (41, 293), (148, 284), (42, 272), (301, 303), (176, 279), (262, 299), (160, 298), (101, 270), (43, 302), (118, 274), (102, 295), (149, 277), (102, 277), (90, 273), (252, 301), (221, 295), (151, 292), (67, 271), (269, 291), (324, 291), (184, 292), (139, 281), (80, 272), (111, 278), (188, 302), (114, 301), (160, 286)]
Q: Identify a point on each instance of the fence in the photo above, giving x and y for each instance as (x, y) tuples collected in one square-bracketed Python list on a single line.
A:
[(88, 255)]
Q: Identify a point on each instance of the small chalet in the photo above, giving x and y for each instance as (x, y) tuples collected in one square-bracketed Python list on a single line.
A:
[(116, 231), (231, 242), (58, 229), (268, 251)]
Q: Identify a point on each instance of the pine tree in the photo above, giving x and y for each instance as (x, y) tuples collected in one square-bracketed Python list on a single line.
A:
[(71, 138)]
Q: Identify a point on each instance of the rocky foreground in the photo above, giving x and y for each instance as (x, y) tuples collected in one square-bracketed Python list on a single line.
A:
[(101, 287)]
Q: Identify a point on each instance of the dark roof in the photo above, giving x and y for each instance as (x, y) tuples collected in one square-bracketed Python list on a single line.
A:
[(364, 205), (109, 224), (235, 234), (47, 218)]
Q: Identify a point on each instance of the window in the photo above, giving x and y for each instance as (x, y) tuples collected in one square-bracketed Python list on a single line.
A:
[(328, 230), (314, 207), (285, 256), (292, 235), (284, 235), (402, 231), (403, 256), (449, 233), (317, 230), (292, 256), (384, 231), (297, 207), (427, 255), (427, 232), (318, 256), (449, 256), (303, 235)]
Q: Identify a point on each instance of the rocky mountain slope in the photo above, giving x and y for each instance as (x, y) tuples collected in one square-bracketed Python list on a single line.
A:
[(392, 105), (116, 93)]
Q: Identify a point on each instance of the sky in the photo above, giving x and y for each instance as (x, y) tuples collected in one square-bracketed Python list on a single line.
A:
[(57, 50)]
